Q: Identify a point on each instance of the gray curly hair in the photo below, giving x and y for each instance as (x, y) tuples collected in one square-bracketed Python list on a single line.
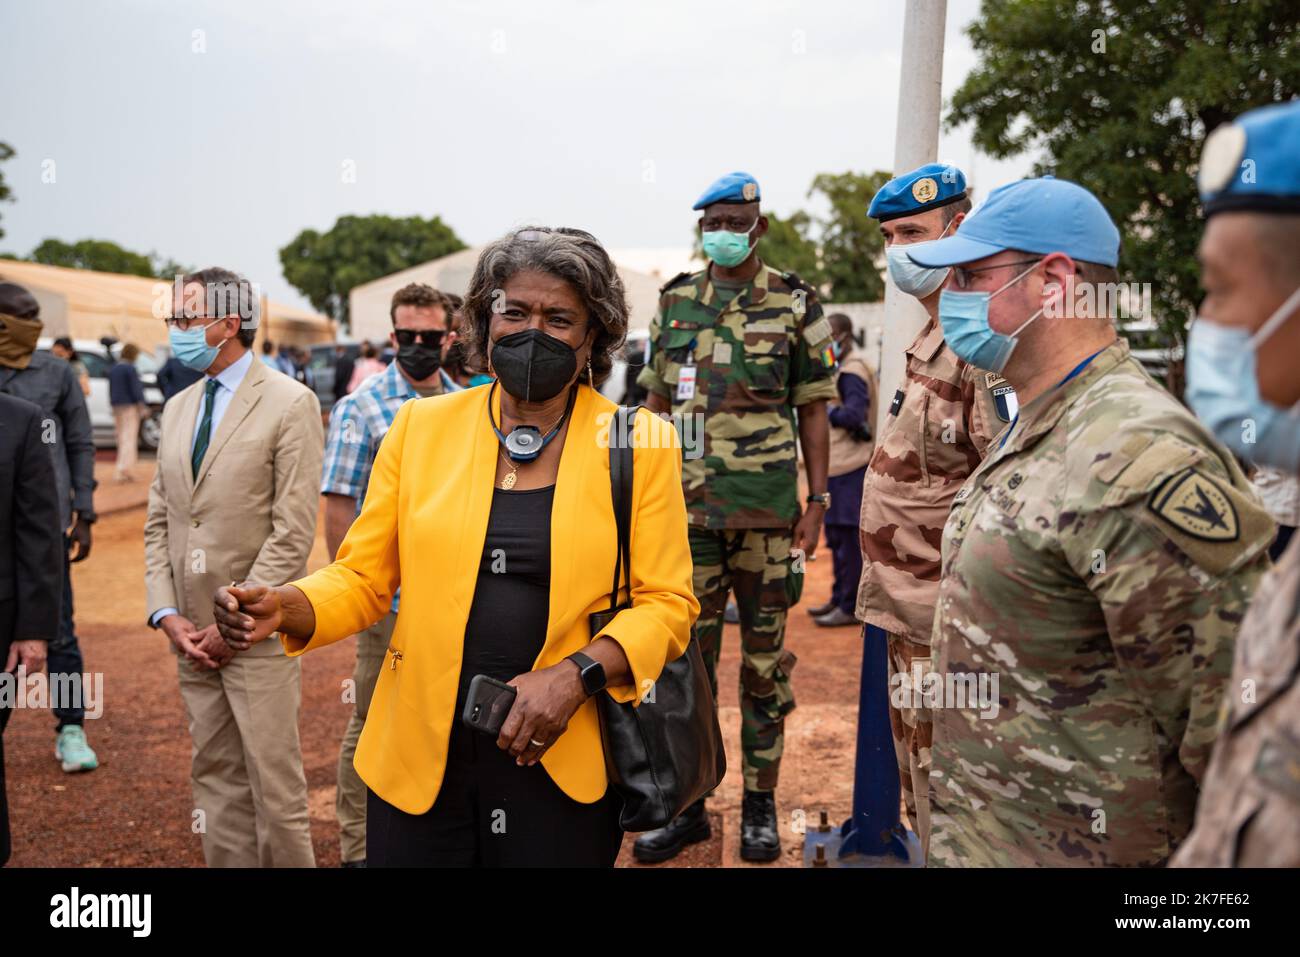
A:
[(576, 257)]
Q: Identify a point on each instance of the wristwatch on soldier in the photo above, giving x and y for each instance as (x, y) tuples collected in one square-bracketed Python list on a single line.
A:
[(824, 499)]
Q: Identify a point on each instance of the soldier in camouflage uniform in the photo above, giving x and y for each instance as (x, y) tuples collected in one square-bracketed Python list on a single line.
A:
[(736, 349), (933, 435), (1095, 566), (1241, 372)]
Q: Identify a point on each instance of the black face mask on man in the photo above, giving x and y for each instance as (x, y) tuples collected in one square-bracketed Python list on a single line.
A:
[(533, 366), (419, 361)]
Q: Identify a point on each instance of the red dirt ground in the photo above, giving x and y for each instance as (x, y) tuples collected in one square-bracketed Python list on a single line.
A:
[(134, 811)]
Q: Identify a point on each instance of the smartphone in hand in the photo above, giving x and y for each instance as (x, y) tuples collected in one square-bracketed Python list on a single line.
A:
[(487, 704)]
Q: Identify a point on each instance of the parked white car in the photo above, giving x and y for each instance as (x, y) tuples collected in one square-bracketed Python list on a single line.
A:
[(97, 360)]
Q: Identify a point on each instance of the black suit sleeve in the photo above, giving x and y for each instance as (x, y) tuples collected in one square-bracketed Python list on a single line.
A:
[(38, 539)]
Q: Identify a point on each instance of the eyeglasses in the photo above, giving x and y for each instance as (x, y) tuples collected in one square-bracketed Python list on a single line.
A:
[(962, 277), (183, 323), (432, 338)]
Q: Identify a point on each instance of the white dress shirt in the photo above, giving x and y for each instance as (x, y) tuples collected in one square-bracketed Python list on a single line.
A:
[(227, 380)]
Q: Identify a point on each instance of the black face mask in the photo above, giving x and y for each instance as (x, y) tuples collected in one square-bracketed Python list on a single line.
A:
[(418, 361), (533, 366)]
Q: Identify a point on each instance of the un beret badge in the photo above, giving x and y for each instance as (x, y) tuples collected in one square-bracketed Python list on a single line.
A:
[(1220, 157), (749, 191), (924, 190)]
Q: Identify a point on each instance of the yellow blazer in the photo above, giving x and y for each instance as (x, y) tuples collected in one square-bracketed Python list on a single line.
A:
[(423, 526)]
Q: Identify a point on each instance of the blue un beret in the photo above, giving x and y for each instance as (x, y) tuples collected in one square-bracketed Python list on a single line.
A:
[(1254, 162), (735, 187), (929, 187)]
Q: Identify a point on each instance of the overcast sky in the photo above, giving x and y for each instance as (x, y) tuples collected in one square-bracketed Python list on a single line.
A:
[(217, 147)]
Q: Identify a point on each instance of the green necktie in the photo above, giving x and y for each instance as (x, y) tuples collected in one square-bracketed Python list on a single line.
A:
[(205, 427)]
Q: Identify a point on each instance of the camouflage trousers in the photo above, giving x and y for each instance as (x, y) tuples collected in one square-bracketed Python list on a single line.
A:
[(913, 731), (754, 563)]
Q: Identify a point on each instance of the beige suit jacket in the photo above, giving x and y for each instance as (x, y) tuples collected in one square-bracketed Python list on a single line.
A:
[(251, 511)]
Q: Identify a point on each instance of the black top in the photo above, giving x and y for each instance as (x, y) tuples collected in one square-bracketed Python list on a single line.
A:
[(507, 620)]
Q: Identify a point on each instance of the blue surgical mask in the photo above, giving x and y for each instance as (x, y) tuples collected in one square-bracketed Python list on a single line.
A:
[(726, 248), (965, 320), (1223, 391), (913, 278), (191, 347)]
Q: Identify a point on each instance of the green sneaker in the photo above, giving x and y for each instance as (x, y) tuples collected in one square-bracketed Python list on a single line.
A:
[(73, 751)]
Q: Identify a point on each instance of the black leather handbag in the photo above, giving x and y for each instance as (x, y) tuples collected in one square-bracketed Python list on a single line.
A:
[(666, 753)]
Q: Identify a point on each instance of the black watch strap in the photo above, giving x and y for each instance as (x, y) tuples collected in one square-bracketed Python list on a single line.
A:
[(591, 671)]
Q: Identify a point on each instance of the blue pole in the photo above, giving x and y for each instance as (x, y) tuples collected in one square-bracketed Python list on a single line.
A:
[(875, 829)]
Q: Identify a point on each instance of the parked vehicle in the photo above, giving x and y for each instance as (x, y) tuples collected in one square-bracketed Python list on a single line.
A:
[(1154, 348), (98, 359), (322, 370)]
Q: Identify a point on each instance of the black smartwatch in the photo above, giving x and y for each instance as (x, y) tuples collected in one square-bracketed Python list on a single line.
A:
[(592, 673), (824, 499)]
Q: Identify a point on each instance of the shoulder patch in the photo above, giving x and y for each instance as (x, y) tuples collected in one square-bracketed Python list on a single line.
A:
[(1005, 403), (1196, 504), (1216, 525), (817, 332)]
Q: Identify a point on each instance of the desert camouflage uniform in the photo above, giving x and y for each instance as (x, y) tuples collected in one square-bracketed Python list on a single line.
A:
[(1249, 813), (758, 352), (1098, 563), (935, 433)]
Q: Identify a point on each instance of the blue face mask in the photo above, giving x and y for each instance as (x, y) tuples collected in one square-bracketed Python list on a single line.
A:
[(191, 347), (965, 320), (1224, 393), (913, 278)]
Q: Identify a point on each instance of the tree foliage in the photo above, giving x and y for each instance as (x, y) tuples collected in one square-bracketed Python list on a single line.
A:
[(851, 242), (6, 194), (1118, 95), (100, 255), (325, 267)]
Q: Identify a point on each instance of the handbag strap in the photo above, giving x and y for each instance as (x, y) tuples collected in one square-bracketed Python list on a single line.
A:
[(620, 481)]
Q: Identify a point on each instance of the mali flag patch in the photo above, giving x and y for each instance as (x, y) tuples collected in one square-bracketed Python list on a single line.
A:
[(828, 357)]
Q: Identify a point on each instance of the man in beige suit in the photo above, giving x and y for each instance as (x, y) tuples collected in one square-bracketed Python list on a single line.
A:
[(234, 497)]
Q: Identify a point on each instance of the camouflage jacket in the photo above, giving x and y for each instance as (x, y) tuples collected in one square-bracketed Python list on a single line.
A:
[(1249, 813), (754, 358), (1097, 566), (932, 437)]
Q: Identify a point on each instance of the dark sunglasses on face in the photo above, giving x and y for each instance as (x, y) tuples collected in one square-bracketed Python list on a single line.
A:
[(432, 338)]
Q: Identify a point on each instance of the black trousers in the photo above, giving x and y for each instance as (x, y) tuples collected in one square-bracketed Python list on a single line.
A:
[(492, 813)]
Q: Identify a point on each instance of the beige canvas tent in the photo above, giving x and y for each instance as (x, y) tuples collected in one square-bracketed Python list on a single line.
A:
[(369, 303), (83, 304)]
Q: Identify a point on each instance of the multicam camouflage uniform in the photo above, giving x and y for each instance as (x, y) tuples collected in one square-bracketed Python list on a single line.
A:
[(936, 431), (757, 352), (1249, 813), (1098, 563)]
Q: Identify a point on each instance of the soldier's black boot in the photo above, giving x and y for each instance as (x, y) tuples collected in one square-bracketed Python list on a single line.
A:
[(662, 844), (759, 840)]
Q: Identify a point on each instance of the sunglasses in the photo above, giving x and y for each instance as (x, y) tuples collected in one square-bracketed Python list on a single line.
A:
[(427, 337)]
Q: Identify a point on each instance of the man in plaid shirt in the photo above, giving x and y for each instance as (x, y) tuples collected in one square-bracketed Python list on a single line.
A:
[(358, 424)]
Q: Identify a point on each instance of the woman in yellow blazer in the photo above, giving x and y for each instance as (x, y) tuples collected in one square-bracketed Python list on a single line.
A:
[(501, 558)]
